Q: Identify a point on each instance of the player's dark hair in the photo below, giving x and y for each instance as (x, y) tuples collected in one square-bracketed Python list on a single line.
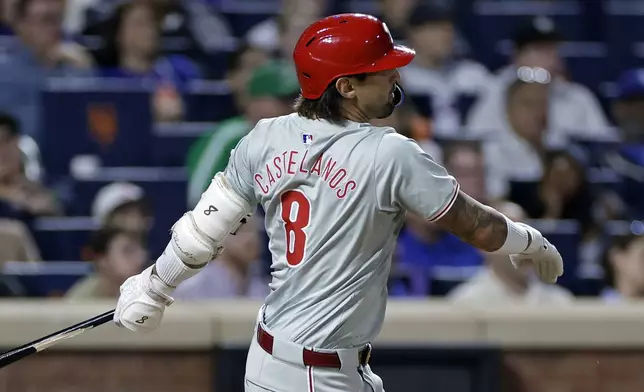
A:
[(9, 122), (327, 107)]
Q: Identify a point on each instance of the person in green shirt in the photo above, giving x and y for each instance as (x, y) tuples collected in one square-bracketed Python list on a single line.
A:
[(272, 88)]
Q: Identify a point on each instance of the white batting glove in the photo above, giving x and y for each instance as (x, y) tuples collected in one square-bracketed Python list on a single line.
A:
[(542, 256), (142, 302)]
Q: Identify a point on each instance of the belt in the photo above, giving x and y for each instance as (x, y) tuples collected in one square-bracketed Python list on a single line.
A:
[(310, 357)]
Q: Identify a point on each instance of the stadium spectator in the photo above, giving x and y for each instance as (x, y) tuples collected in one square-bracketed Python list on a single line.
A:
[(563, 193), (627, 159), (20, 197), (241, 65), (572, 109), (117, 254), (271, 90), (236, 273), (40, 53), (16, 242), (465, 161), (499, 283), (395, 13), (452, 83), (187, 27), (123, 206), (132, 50), (521, 138), (268, 34), (624, 267)]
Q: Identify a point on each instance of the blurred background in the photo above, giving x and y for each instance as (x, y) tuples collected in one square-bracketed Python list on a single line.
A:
[(115, 115)]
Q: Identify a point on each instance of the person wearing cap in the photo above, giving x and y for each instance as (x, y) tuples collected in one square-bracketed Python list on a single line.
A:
[(271, 90), (573, 109), (451, 83), (122, 205)]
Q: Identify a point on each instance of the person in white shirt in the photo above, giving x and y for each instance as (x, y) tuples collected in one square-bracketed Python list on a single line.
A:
[(573, 110), (500, 283), (451, 83)]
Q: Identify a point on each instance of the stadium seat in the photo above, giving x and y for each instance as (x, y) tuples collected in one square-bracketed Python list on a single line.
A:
[(46, 279), (171, 142), (62, 238), (624, 34), (494, 21), (110, 119), (208, 101)]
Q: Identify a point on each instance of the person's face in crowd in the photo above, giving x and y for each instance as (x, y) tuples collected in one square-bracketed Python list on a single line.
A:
[(132, 217), (466, 164), (628, 265), (528, 110), (244, 248), (41, 26), (629, 116), (564, 175), (139, 33), (238, 78), (125, 256), (433, 41), (396, 12), (543, 55), (10, 155)]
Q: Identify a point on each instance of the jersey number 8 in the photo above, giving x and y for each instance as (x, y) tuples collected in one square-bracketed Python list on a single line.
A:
[(296, 214)]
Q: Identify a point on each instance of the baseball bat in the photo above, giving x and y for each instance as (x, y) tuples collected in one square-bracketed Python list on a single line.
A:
[(38, 345)]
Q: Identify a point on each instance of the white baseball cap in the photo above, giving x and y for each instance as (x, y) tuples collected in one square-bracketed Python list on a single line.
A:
[(112, 196)]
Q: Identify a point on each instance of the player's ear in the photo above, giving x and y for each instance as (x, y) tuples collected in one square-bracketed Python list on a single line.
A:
[(345, 88)]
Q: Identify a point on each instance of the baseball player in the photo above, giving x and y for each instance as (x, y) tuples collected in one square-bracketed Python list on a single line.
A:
[(335, 190)]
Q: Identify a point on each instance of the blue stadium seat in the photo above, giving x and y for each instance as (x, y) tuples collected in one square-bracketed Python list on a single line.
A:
[(172, 141), (494, 21), (407, 280), (62, 238), (107, 118), (445, 278), (624, 34), (209, 101), (46, 279)]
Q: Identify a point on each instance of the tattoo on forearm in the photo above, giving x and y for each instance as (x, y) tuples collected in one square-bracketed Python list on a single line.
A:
[(475, 223)]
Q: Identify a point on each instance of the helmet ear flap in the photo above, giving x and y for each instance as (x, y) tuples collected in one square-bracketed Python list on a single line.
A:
[(399, 95)]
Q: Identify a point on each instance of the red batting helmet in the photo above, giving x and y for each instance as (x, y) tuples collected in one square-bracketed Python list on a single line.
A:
[(342, 45)]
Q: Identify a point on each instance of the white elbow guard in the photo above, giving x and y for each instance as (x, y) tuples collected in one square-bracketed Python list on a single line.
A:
[(198, 235)]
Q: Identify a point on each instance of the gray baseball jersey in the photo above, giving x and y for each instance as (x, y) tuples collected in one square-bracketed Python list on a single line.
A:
[(335, 199)]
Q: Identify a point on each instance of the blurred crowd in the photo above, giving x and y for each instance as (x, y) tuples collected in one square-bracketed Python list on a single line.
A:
[(534, 121)]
